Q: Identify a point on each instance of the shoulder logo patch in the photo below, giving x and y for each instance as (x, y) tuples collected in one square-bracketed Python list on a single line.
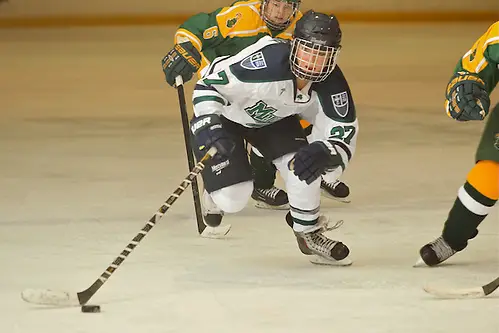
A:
[(254, 61), (232, 22), (340, 103)]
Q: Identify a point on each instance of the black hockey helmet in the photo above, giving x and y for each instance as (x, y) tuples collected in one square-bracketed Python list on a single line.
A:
[(278, 14), (315, 46)]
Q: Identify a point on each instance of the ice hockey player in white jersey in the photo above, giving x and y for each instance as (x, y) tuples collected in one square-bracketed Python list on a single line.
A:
[(256, 96)]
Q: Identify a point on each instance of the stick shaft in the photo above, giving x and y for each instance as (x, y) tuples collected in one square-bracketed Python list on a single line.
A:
[(85, 295), (188, 151)]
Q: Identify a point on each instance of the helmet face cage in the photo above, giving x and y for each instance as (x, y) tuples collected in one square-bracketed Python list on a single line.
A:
[(312, 61), (271, 9)]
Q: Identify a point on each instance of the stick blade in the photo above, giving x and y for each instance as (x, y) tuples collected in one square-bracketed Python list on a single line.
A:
[(476, 292), (50, 297)]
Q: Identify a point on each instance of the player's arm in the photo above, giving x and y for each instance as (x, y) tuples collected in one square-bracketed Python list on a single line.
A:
[(341, 141), (201, 30), (334, 132), (475, 76), (210, 96), (199, 33)]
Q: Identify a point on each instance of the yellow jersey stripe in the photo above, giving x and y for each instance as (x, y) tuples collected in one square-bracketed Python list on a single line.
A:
[(474, 60), (248, 32), (237, 5), (189, 35)]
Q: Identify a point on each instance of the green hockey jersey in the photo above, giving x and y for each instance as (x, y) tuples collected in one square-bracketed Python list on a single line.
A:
[(228, 30), (483, 58)]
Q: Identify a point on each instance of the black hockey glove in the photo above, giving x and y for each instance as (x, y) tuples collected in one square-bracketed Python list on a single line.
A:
[(184, 60), (467, 97), (311, 161), (208, 132)]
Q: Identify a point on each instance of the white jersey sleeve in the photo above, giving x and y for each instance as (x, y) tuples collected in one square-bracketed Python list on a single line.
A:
[(334, 118)]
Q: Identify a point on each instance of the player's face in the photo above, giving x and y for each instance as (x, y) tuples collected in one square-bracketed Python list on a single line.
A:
[(312, 61), (279, 11)]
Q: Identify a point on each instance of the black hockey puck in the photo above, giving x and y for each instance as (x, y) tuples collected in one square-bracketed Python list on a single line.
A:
[(90, 308)]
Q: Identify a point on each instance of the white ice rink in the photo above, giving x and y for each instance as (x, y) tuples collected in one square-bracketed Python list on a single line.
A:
[(91, 145)]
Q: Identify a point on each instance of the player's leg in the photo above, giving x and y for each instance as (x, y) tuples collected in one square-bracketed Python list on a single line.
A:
[(227, 181), (280, 141), (331, 187), (475, 199), (265, 193)]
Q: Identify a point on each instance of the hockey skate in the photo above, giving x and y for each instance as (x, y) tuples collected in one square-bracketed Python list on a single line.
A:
[(271, 198), (323, 251), (212, 216), (338, 191), (435, 253)]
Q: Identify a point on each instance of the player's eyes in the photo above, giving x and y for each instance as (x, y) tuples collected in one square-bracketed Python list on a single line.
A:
[(287, 5)]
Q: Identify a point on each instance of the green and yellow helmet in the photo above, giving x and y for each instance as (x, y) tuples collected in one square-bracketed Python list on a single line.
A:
[(278, 14)]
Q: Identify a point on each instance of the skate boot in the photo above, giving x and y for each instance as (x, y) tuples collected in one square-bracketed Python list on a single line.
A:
[(435, 253), (270, 198), (324, 251), (212, 216), (338, 191)]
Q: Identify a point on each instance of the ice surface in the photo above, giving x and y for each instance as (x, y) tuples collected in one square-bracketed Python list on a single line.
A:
[(91, 145)]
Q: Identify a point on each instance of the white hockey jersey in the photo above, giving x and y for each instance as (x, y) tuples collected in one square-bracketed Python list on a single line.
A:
[(256, 88)]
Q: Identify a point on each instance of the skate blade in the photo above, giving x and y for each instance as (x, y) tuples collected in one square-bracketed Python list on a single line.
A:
[(329, 196), (420, 263), (318, 260), (262, 205), (216, 232)]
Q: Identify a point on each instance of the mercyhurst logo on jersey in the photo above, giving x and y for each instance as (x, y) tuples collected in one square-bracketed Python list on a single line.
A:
[(340, 103), (262, 113), (254, 62)]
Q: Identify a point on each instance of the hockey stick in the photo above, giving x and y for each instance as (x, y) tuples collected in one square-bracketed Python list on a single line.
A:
[(475, 292), (64, 298), (210, 232), (188, 151)]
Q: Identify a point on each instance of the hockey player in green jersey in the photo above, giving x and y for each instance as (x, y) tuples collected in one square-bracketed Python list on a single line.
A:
[(225, 32), (468, 98)]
